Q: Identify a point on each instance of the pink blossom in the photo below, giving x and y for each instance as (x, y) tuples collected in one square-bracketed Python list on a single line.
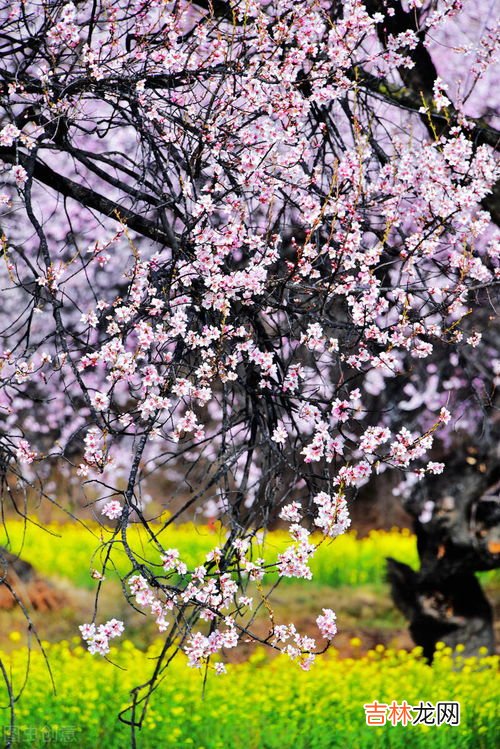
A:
[(20, 175), (433, 467), (291, 513), (9, 134), (333, 515), (327, 624), (24, 453), (97, 638), (279, 435), (112, 510), (100, 401), (444, 415)]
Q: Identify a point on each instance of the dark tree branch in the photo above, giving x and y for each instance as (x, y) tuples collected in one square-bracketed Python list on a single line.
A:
[(87, 197)]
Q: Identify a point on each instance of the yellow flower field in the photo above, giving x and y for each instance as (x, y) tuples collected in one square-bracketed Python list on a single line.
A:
[(72, 550), (260, 704)]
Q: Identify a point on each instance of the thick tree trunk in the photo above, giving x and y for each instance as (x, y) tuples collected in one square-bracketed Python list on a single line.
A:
[(457, 523)]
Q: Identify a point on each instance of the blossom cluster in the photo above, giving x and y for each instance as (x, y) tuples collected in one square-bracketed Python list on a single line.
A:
[(241, 262), (97, 638)]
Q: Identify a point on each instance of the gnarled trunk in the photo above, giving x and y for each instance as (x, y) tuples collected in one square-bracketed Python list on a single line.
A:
[(457, 523)]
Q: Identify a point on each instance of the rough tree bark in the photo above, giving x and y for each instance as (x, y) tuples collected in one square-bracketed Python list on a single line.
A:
[(457, 523)]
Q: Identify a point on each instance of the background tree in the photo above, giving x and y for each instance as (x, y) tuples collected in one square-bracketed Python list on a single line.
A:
[(249, 246)]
